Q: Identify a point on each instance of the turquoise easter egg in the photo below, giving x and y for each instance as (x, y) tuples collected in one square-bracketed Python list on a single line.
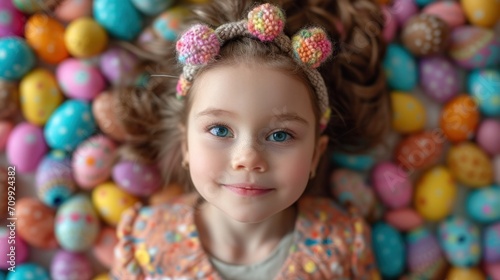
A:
[(28, 271), (152, 7), (491, 243), (390, 251), (459, 239), (483, 205), (400, 68), (70, 124), (16, 58), (119, 17), (355, 162), (484, 86), (422, 3)]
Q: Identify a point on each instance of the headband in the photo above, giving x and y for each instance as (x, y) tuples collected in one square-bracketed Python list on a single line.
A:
[(310, 47)]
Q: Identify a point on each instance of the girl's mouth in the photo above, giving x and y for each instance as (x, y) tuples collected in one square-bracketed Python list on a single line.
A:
[(248, 189)]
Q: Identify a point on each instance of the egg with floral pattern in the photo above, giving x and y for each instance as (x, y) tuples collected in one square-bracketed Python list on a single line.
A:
[(483, 204), (26, 147), (460, 241), (120, 18), (46, 36), (484, 86), (16, 58), (36, 223), (459, 118), (80, 79), (470, 165), (491, 243), (110, 201), (67, 265)]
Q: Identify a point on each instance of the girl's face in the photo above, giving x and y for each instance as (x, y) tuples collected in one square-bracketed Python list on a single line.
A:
[(251, 140)]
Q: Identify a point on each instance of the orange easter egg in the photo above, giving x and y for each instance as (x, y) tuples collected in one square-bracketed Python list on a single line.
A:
[(460, 118), (36, 222), (46, 36)]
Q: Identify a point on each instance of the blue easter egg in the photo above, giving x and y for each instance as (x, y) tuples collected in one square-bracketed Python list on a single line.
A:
[(483, 205), (28, 271), (355, 162), (16, 58), (152, 7), (119, 17), (484, 86), (70, 124), (389, 249), (459, 239), (491, 243), (400, 68)]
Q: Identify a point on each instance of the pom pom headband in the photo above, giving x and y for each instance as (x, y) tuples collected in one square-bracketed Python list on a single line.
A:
[(309, 47)]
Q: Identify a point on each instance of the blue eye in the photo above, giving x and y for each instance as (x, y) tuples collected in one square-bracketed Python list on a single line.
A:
[(280, 136), (219, 131)]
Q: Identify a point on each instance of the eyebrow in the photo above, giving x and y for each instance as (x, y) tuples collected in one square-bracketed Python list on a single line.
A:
[(279, 117)]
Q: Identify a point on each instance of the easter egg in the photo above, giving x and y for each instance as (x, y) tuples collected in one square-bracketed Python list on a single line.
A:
[(420, 150), (4, 189), (439, 78), (46, 36), (104, 246), (493, 271), (459, 239), (29, 271), (491, 243), (77, 224), (36, 223), (423, 249), (403, 219), (400, 68), (166, 194), (11, 20), (470, 165), (166, 26), (70, 266), (484, 13), (26, 147), (357, 162), (9, 99), (152, 7), (116, 64), (69, 125), (16, 58), (484, 86), (459, 118), (483, 204), (435, 194), (408, 113), (474, 47), (28, 6), (392, 184), (80, 80), (110, 202), (390, 26), (389, 249), (136, 178), (102, 276), (120, 18), (465, 273), (422, 3), (6, 128), (403, 10), (349, 188), (104, 110), (54, 179), (40, 96), (12, 253), (84, 37), (70, 10), (449, 11), (425, 35), (487, 136)]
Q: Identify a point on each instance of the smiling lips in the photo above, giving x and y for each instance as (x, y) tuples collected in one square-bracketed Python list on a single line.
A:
[(248, 189)]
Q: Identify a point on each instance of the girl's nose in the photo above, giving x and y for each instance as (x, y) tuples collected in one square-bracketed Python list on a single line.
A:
[(250, 158)]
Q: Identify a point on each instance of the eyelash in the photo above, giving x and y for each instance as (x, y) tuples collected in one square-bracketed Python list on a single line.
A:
[(289, 132)]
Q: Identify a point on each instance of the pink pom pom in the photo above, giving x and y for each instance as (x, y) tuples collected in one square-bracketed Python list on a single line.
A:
[(182, 88), (198, 45), (312, 46), (266, 22)]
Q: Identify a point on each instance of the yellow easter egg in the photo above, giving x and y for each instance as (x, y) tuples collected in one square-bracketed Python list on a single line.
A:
[(408, 113), (102, 276), (84, 37), (435, 194), (484, 13), (470, 165), (110, 201), (464, 273), (40, 96)]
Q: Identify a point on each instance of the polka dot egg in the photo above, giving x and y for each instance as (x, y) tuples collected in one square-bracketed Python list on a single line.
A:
[(425, 35), (116, 64), (470, 165), (136, 178), (8, 257), (484, 86), (11, 20), (46, 36), (66, 265), (16, 58), (439, 78), (110, 202), (84, 37), (459, 118), (482, 205), (459, 239), (389, 249), (26, 147), (80, 79), (29, 271), (152, 7), (120, 18), (491, 243), (400, 68), (408, 113), (36, 223)]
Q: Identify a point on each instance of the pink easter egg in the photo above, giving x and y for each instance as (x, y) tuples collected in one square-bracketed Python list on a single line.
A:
[(80, 79), (439, 78), (11, 20), (26, 147), (5, 130), (70, 266), (493, 270), (404, 219), (449, 11), (104, 246), (70, 10), (390, 25), (488, 136), (136, 178), (9, 257), (116, 64), (403, 10), (392, 184)]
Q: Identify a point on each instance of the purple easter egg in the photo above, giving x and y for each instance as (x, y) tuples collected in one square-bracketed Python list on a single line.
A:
[(402, 10), (491, 243), (423, 250), (439, 78), (488, 135), (11, 20), (116, 64), (70, 266), (26, 147), (8, 257), (136, 178), (392, 184), (80, 79)]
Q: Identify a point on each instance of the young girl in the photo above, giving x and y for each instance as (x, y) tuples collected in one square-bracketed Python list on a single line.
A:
[(246, 125)]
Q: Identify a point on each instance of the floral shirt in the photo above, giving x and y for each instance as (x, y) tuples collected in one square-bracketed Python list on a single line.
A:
[(161, 242)]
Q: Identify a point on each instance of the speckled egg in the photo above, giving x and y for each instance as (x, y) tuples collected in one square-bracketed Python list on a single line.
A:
[(28, 6), (104, 110), (491, 243), (29, 271), (70, 266), (474, 47), (54, 179), (403, 10), (36, 223), (26, 147), (470, 165), (77, 224), (425, 35), (120, 18), (459, 118), (84, 37), (389, 249), (435, 194), (449, 11), (93, 160), (137, 178), (40, 96), (484, 13), (46, 36), (6, 128), (110, 201), (483, 204), (11, 20), (459, 239), (358, 162), (487, 136), (69, 125), (166, 26), (349, 188), (465, 273), (403, 219), (400, 68), (103, 249), (16, 58), (70, 10), (390, 25), (152, 7), (420, 150), (408, 113), (116, 65), (439, 78), (484, 86), (10, 257), (79, 79), (392, 184), (423, 249)]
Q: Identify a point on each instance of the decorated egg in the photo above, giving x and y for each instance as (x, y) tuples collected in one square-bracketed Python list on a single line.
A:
[(491, 243), (165, 194), (425, 35), (493, 271), (104, 246), (120, 18), (487, 136), (9, 99), (435, 194), (420, 150), (459, 239), (389, 249), (77, 224), (403, 219), (9, 257), (70, 10), (46, 36), (484, 86), (70, 266), (136, 178), (483, 204), (349, 188), (403, 10), (84, 37), (26, 147), (465, 273), (4, 189), (392, 184), (29, 271), (358, 162), (449, 11), (110, 202), (408, 113), (422, 3), (6, 128), (423, 250), (54, 179), (102, 276), (390, 25), (439, 78), (166, 26), (104, 110), (400, 68), (482, 13), (152, 7), (93, 160), (16, 58), (470, 165), (459, 118), (40, 96), (474, 47), (28, 6), (12, 21), (80, 80), (36, 223), (117, 64), (69, 125)]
